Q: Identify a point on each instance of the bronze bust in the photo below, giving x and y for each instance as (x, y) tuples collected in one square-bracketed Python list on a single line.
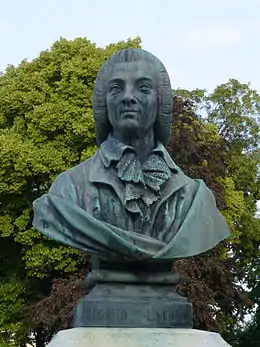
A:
[(130, 200)]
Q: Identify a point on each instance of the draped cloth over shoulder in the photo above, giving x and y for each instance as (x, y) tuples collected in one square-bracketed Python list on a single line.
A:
[(84, 209)]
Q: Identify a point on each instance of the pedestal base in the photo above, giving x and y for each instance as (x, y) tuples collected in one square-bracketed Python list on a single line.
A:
[(136, 337), (133, 306)]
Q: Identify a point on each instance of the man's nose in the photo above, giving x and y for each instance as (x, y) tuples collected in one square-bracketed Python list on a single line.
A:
[(129, 98)]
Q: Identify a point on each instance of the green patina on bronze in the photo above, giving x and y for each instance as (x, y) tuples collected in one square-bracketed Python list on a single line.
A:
[(130, 200)]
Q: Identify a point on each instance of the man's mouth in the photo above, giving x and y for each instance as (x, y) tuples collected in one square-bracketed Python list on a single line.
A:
[(129, 113)]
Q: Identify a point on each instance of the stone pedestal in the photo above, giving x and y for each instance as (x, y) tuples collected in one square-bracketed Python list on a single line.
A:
[(119, 305), (136, 337)]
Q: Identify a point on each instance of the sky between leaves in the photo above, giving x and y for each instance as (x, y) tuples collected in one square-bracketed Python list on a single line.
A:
[(202, 43)]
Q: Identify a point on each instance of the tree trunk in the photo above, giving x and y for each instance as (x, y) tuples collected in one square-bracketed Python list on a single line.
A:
[(39, 340)]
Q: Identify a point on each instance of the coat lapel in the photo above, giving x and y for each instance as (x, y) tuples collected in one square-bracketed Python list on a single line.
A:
[(100, 174)]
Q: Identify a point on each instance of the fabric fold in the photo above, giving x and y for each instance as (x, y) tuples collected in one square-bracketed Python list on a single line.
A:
[(72, 226)]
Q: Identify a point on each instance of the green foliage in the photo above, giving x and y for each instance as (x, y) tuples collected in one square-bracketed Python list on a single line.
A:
[(232, 110), (232, 113), (247, 335), (235, 108), (46, 126), (234, 206), (12, 329)]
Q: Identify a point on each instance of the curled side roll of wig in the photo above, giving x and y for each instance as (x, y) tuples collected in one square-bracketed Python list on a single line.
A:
[(162, 127)]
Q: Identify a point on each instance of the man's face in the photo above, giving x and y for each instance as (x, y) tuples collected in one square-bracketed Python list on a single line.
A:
[(132, 98)]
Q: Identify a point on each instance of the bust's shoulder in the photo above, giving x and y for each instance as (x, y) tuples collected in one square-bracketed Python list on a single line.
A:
[(82, 168), (190, 188), (79, 172), (75, 182)]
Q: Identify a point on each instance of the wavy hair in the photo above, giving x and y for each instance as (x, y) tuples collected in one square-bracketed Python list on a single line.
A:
[(162, 127)]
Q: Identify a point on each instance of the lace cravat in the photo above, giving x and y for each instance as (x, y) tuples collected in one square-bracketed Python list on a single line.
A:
[(142, 182)]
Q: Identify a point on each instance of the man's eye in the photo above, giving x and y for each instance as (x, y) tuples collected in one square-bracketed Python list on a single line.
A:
[(145, 87), (115, 88)]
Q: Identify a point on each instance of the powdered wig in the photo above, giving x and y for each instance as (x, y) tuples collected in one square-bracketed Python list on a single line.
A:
[(162, 127)]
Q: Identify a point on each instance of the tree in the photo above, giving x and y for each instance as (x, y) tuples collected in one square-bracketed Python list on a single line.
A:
[(222, 147), (251, 334), (248, 335), (46, 126)]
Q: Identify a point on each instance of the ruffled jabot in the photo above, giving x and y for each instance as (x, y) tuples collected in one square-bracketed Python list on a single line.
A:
[(142, 182)]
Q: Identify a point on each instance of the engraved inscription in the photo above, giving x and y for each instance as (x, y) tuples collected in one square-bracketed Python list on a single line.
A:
[(135, 314), (168, 316), (105, 315)]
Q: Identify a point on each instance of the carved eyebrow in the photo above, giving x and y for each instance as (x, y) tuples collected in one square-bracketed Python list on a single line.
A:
[(116, 80), (145, 79)]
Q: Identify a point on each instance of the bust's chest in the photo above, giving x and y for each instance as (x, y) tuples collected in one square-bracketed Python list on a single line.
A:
[(104, 198), (156, 221)]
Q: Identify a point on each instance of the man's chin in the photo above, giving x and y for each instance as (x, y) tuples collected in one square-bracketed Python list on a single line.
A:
[(130, 128)]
